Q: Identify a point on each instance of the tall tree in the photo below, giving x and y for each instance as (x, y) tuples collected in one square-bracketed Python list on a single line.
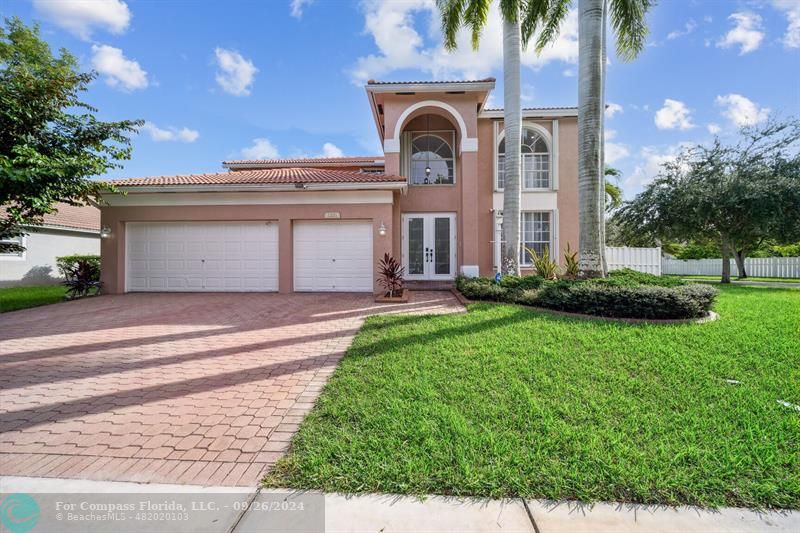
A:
[(544, 18), (50, 141), (517, 30), (738, 195)]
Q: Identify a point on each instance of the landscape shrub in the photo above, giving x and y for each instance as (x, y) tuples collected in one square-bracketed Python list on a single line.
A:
[(627, 294), (67, 264)]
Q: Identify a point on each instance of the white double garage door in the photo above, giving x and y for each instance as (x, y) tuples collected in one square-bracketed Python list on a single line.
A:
[(244, 256)]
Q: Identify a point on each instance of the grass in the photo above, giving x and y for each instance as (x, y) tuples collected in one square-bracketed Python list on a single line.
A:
[(507, 401), (734, 279), (14, 298)]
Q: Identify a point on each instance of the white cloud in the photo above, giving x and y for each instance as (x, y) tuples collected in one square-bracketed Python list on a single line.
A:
[(569, 72), (612, 109), (392, 25), (650, 164), (614, 152), (688, 28), (713, 128), (791, 39), (79, 17), (235, 73), (741, 110), (331, 150), (118, 69), (747, 32), (297, 6), (157, 134), (674, 115), (261, 149)]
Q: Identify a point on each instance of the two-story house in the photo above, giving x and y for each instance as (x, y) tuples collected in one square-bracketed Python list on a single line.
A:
[(434, 199)]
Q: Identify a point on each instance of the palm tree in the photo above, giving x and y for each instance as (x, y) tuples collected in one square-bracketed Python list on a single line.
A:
[(522, 18), (613, 196), (628, 22), (519, 22)]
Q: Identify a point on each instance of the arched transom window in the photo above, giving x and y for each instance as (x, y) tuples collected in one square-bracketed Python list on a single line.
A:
[(535, 161), (431, 159)]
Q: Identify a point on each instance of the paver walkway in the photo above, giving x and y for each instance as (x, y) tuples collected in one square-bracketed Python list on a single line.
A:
[(202, 389)]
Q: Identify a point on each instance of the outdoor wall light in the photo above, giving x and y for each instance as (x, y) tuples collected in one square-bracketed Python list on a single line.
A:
[(382, 229), (105, 232)]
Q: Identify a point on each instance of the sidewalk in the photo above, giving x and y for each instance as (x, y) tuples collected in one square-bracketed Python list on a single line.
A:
[(385, 513)]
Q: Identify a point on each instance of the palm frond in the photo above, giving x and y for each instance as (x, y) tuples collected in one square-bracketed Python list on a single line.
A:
[(452, 13), (511, 9), (628, 18), (556, 14), (475, 17)]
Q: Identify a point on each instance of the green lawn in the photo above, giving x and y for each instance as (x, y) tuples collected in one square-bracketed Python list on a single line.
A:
[(506, 401), (717, 278), (14, 298)]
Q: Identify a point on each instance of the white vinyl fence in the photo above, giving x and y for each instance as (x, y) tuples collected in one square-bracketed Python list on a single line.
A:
[(765, 267), (642, 259)]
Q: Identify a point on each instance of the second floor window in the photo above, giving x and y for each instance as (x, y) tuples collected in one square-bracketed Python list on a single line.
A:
[(535, 161), (431, 159)]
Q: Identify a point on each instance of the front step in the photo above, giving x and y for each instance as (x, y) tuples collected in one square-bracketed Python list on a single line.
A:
[(430, 285)]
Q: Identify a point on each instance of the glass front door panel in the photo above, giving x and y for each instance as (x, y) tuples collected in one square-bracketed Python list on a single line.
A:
[(416, 246), (442, 245)]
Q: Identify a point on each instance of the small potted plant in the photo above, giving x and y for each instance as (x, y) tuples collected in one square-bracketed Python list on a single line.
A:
[(391, 279)]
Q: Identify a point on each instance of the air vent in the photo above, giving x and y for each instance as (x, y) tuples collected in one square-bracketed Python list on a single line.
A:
[(406, 93), (380, 109)]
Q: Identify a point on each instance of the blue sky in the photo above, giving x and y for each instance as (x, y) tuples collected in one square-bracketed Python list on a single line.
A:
[(220, 80)]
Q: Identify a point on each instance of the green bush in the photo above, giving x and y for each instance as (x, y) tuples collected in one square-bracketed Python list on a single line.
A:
[(521, 283), (628, 301), (68, 263), (625, 294), (629, 277)]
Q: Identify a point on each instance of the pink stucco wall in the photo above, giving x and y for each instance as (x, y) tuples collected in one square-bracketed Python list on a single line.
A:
[(113, 248)]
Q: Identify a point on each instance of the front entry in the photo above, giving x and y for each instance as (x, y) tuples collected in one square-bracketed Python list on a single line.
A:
[(429, 245)]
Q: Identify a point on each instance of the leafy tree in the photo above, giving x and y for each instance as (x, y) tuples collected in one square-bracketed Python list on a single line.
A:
[(737, 195), (50, 141)]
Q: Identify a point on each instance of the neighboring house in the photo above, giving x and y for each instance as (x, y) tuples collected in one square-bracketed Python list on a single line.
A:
[(70, 230), (433, 199)]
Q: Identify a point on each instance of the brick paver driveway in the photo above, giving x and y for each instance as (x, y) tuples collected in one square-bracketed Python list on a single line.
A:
[(171, 388)]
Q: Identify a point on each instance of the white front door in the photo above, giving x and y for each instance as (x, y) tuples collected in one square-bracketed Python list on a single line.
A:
[(333, 256), (429, 245)]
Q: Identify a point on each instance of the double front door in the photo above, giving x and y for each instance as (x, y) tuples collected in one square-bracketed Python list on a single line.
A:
[(429, 245)]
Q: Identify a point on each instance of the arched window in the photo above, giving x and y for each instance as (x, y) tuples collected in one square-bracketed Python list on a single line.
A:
[(535, 161), (431, 160)]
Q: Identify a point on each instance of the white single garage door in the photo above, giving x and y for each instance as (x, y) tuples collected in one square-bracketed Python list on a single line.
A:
[(202, 256), (333, 256)]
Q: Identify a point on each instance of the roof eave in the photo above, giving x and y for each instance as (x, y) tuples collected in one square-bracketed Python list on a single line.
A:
[(556, 112), (475, 86), (243, 187)]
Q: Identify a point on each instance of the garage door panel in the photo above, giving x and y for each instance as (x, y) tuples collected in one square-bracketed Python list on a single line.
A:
[(333, 256), (202, 256)]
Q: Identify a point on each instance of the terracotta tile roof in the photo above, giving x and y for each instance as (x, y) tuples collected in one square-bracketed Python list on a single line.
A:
[(277, 176), (348, 161), (84, 217), (429, 82)]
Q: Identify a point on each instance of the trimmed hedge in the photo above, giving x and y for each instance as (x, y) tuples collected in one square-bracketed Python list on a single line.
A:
[(626, 294)]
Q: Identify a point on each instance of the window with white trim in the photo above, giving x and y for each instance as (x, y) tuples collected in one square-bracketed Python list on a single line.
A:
[(432, 161), (536, 233), (535, 161), (20, 240)]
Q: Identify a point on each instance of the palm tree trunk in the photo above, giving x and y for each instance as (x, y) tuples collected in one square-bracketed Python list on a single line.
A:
[(602, 204), (591, 62), (512, 123)]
